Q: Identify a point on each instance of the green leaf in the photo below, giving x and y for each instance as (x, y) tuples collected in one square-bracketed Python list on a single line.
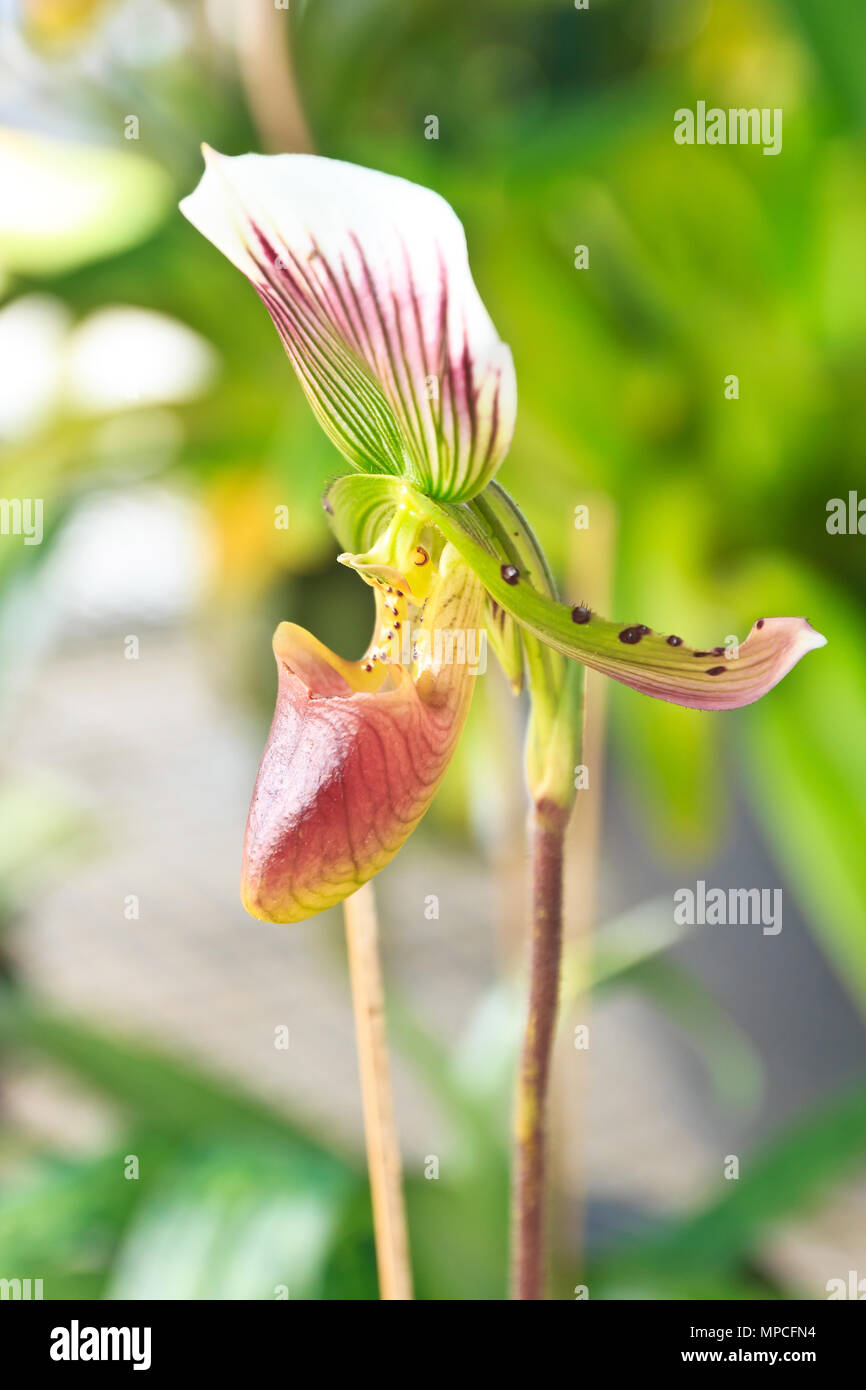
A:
[(168, 1096), (64, 1216), (620, 946), (779, 1183), (733, 1065), (232, 1223)]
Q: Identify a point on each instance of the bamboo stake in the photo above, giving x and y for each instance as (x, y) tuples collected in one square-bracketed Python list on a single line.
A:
[(383, 1147), (267, 71)]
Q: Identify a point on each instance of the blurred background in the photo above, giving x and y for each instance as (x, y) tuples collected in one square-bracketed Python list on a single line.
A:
[(156, 1140)]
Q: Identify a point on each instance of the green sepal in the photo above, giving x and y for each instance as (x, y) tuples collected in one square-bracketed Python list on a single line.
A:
[(359, 507)]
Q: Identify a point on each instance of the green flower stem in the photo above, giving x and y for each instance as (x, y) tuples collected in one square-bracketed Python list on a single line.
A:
[(553, 750), (530, 1169)]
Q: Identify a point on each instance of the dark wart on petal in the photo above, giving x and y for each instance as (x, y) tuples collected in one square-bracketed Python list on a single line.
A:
[(630, 635), (759, 623), (581, 614), (675, 641), (510, 573), (700, 654), (643, 629), (716, 671)]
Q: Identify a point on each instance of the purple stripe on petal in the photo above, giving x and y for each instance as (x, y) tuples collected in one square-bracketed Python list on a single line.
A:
[(367, 280)]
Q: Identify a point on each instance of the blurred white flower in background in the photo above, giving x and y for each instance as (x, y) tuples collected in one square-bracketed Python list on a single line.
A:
[(117, 358), (137, 555), (120, 357)]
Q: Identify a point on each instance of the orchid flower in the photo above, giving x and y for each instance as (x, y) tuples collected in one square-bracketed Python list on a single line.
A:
[(367, 280)]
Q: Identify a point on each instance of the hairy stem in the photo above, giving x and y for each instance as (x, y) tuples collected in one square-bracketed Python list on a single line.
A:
[(529, 1194)]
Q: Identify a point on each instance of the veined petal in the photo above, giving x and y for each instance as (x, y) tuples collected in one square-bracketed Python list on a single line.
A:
[(654, 663), (367, 279), (355, 753)]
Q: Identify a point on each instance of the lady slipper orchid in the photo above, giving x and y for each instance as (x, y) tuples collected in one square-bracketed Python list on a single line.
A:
[(357, 748), (367, 281)]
